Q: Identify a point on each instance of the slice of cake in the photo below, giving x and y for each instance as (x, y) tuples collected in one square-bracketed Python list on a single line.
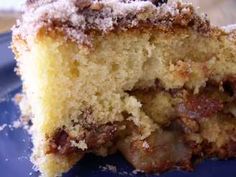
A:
[(154, 81)]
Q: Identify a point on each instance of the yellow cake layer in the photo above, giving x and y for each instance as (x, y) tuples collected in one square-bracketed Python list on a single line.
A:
[(63, 79)]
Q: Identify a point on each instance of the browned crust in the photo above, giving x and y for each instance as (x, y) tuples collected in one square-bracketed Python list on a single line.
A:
[(181, 16)]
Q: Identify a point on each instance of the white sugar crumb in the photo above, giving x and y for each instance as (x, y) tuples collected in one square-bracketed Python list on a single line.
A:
[(135, 172), (80, 145), (125, 173), (2, 127), (75, 17), (229, 28), (109, 167), (145, 145), (114, 169), (17, 124), (22, 158), (14, 125)]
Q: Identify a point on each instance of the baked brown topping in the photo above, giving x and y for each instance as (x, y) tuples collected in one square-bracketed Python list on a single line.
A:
[(77, 17)]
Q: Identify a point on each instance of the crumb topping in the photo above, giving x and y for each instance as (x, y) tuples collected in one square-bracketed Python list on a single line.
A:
[(77, 17), (229, 28)]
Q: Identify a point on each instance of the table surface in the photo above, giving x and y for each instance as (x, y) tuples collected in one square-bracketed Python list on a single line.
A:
[(220, 12)]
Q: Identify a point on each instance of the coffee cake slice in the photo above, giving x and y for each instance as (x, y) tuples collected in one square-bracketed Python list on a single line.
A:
[(154, 81)]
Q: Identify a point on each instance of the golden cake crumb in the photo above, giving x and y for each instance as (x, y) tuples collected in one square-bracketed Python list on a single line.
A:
[(156, 82)]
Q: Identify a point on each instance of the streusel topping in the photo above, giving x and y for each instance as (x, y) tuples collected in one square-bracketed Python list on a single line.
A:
[(77, 17)]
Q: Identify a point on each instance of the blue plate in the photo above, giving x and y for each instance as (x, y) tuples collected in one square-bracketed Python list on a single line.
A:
[(15, 144)]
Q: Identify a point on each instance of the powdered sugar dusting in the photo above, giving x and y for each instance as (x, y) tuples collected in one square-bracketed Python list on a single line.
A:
[(229, 28), (17, 124), (2, 127), (109, 167), (146, 145), (77, 17), (120, 172), (80, 145)]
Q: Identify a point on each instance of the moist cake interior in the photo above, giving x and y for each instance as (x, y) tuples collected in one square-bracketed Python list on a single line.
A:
[(169, 88), (161, 96)]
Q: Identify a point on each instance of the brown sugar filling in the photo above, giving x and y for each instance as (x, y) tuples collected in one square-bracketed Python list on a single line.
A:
[(94, 137), (203, 125)]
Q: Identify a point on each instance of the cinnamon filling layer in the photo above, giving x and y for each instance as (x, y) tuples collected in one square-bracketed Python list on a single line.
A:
[(192, 126), (94, 137)]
